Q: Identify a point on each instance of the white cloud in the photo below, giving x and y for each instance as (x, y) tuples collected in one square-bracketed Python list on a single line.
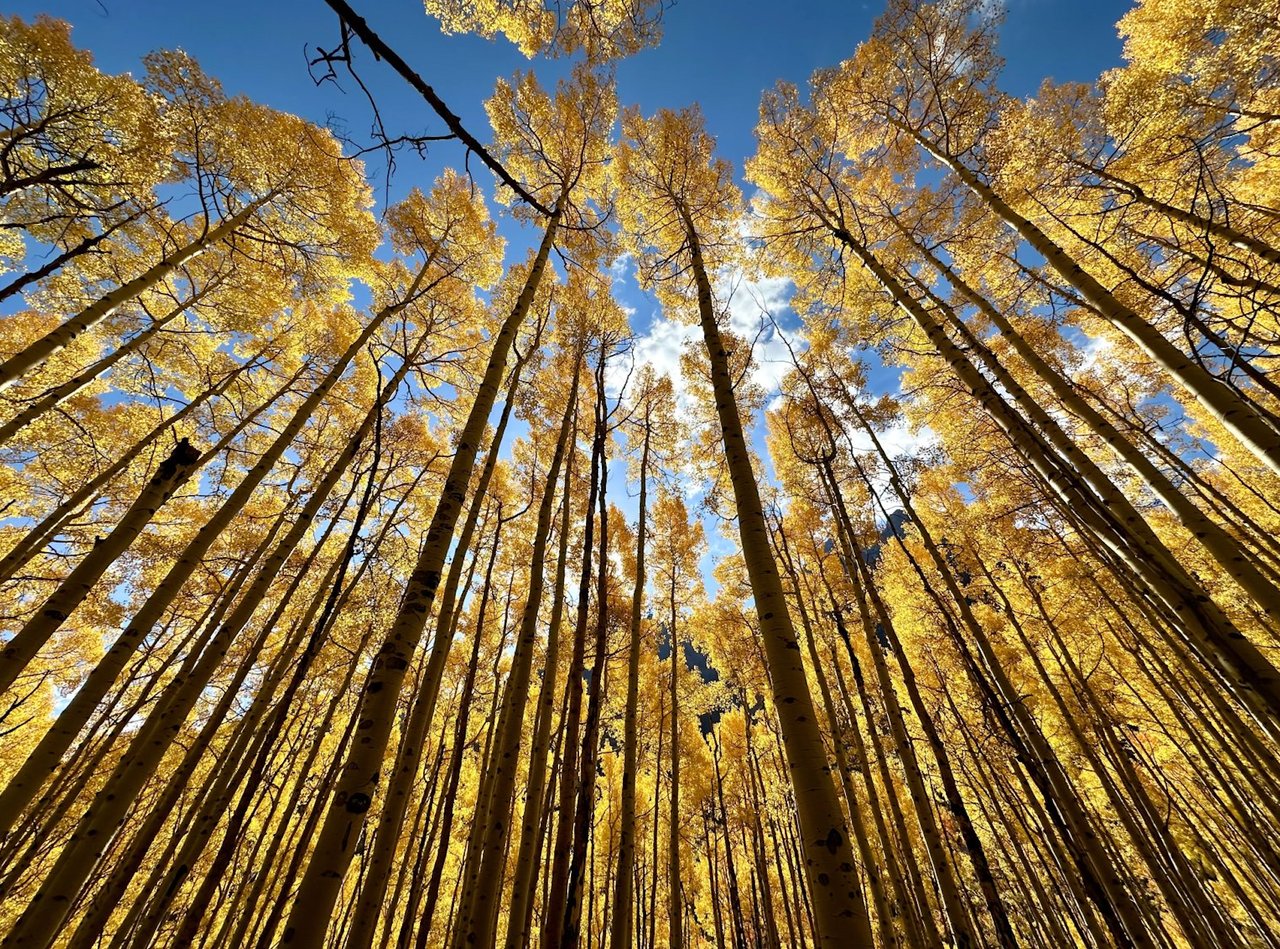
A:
[(624, 265), (1092, 351), (661, 346), (756, 310)]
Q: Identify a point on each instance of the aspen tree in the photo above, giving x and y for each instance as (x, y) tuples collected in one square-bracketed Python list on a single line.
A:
[(582, 110), (669, 161), (580, 862), (620, 931), (28, 547), (484, 885), (20, 651), (183, 692), (519, 930), (678, 542), (1032, 570), (44, 758), (53, 612), (920, 118), (1203, 620), (557, 894)]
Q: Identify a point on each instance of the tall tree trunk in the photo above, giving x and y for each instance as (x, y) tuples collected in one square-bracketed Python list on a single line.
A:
[(839, 910), (172, 473), (63, 391), (623, 921), (519, 930), (731, 870), (1224, 549), (409, 754), (353, 795), (553, 906), (870, 863), (35, 539), (44, 757), (38, 351), (675, 886), (459, 753), (1225, 405), (579, 865), (476, 926)]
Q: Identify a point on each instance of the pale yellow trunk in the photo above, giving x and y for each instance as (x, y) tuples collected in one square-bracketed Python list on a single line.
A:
[(839, 911), (1229, 408), (358, 782), (37, 352)]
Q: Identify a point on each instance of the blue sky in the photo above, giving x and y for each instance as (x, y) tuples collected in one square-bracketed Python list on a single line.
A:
[(719, 53)]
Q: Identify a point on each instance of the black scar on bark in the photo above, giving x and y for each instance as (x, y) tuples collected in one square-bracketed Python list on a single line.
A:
[(834, 840)]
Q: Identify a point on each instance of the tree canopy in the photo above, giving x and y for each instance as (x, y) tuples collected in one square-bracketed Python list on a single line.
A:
[(365, 579)]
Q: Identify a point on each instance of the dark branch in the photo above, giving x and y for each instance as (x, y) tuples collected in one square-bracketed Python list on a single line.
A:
[(356, 24)]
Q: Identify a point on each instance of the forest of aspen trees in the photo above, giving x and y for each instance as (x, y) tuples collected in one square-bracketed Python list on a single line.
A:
[(355, 585)]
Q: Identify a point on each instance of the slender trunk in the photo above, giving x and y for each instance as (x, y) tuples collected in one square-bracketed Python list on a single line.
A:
[(353, 795), (673, 881), (519, 930), (735, 896), (1225, 405), (483, 902), (1224, 549), (38, 351), (622, 922), (712, 857), (47, 911), (459, 752), (675, 887), (839, 910), (60, 393), (25, 550), (409, 754), (579, 867), (758, 842), (553, 906), (172, 473)]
